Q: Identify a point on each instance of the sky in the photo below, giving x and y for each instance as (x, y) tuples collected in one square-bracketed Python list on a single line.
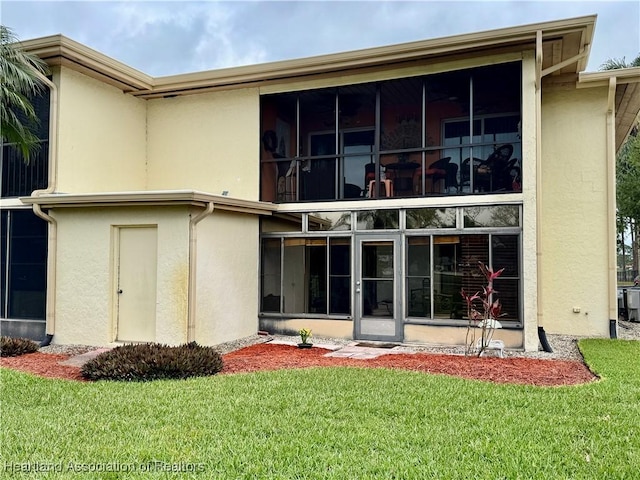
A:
[(167, 37)]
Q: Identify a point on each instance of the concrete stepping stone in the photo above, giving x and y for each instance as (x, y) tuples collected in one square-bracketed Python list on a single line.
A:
[(80, 360)]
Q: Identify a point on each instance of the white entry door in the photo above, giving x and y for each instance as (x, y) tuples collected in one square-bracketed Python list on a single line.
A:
[(136, 283)]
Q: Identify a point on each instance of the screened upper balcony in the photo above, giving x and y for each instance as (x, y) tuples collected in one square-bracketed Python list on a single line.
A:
[(451, 133), (17, 177)]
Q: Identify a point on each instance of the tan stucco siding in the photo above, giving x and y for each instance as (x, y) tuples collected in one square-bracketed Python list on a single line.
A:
[(226, 277), (86, 302), (574, 211), (207, 142), (102, 136)]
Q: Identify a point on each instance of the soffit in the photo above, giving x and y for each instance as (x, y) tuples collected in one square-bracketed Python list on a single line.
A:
[(627, 110), (150, 198), (562, 40), (627, 98)]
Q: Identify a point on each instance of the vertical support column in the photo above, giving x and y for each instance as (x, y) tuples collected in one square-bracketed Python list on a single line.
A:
[(611, 208), (539, 269)]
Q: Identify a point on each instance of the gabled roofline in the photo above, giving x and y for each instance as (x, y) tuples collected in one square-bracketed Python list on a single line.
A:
[(58, 49)]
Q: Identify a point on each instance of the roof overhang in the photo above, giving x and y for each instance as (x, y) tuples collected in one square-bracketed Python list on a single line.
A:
[(150, 198), (566, 40), (60, 50), (627, 100)]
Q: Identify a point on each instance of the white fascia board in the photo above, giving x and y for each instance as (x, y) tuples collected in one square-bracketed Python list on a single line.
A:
[(150, 198)]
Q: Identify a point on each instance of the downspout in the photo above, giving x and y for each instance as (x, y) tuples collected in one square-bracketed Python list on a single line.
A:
[(542, 337), (50, 316), (191, 294), (611, 208)]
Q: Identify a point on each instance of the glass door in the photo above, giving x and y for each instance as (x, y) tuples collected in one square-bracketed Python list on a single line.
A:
[(378, 309)]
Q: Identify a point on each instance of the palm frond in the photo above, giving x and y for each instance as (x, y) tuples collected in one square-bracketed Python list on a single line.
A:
[(20, 75)]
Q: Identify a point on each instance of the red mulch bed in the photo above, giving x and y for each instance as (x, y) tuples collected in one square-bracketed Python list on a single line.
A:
[(265, 356), (42, 364)]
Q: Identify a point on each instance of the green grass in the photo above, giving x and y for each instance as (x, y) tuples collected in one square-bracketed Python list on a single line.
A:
[(342, 423)]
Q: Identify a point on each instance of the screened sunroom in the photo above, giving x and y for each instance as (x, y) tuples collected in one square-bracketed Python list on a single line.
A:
[(451, 133)]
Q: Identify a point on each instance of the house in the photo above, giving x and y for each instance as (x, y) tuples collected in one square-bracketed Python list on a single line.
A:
[(351, 193)]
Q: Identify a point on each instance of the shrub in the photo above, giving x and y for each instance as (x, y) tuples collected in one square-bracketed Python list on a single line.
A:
[(483, 311), (13, 347), (153, 361)]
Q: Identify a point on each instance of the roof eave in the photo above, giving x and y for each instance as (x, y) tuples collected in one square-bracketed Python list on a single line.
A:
[(627, 104), (59, 49), (491, 39), (150, 198)]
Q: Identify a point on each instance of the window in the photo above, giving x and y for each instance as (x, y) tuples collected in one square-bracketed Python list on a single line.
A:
[(419, 277), (314, 276), (270, 275), (414, 136), (23, 259), (378, 219), (431, 218), (437, 284), (310, 274), (330, 221), (493, 216)]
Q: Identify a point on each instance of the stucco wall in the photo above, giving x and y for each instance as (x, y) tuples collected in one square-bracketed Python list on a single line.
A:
[(574, 211), (226, 277), (102, 136), (207, 142), (87, 272)]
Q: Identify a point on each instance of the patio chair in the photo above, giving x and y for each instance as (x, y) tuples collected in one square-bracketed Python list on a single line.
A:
[(443, 169), (494, 173)]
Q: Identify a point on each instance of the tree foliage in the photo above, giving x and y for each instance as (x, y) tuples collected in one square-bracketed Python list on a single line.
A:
[(20, 73), (628, 177), (616, 63), (628, 196)]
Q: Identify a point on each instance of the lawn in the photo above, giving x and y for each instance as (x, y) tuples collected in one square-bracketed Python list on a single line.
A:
[(342, 423)]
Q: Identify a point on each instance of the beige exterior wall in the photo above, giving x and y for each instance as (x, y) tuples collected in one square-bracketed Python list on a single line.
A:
[(207, 142), (226, 277), (210, 142), (574, 211), (86, 302), (102, 136)]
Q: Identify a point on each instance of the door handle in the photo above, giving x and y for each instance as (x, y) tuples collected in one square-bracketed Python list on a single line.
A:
[(119, 291)]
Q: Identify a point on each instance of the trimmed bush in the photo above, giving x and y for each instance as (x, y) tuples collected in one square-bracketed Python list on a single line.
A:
[(153, 361), (13, 347)]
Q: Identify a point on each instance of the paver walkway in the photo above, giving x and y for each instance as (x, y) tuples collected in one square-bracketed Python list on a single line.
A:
[(352, 350)]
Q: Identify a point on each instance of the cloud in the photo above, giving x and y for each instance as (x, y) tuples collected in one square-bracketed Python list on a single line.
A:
[(168, 37)]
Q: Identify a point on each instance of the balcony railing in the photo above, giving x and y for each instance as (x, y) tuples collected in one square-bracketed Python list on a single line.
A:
[(400, 175)]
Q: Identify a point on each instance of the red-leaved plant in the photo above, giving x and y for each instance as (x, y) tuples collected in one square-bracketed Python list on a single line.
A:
[(483, 312)]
